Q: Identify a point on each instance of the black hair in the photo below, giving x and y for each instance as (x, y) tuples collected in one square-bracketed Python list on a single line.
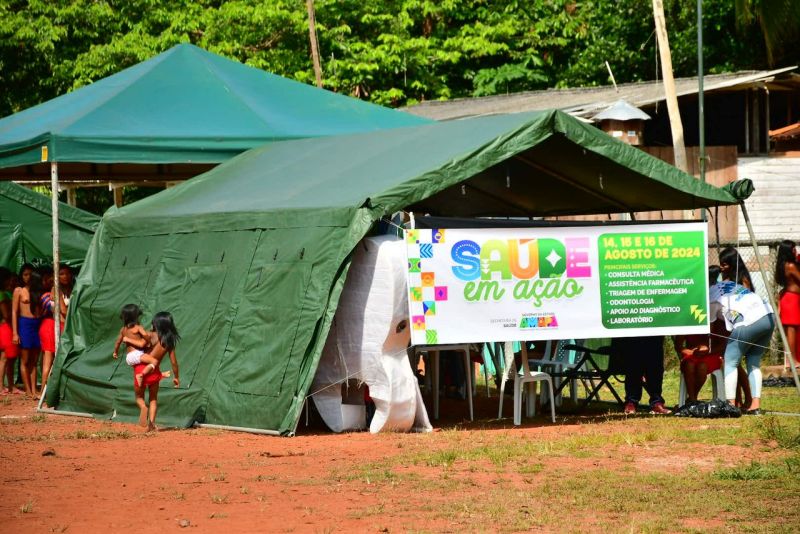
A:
[(739, 270), (785, 255), (713, 274), (5, 276), (165, 328), (26, 267), (35, 292), (46, 271), (130, 314)]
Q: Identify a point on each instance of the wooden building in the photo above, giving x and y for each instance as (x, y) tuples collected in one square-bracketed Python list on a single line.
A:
[(745, 116)]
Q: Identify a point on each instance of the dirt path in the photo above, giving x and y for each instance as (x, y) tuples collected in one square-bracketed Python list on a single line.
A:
[(69, 474)]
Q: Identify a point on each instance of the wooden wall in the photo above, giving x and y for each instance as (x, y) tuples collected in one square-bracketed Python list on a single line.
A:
[(721, 169), (774, 207)]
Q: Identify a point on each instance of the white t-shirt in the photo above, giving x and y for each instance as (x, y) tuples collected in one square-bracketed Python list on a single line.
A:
[(736, 304)]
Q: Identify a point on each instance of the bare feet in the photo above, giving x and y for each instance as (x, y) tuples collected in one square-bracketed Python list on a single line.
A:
[(143, 417), (151, 426), (166, 374), (139, 379)]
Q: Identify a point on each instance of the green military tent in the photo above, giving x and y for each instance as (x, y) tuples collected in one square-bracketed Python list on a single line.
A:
[(173, 114), (251, 257), (26, 229)]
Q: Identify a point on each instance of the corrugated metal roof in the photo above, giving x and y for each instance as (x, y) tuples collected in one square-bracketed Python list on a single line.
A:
[(586, 102)]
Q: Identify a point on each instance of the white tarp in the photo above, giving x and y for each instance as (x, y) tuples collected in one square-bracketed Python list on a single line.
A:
[(367, 344)]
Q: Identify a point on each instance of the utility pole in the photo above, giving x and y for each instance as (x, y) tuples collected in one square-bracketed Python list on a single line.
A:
[(669, 86), (312, 35), (701, 118)]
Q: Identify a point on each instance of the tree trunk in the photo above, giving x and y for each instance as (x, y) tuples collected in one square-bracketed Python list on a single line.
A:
[(669, 87), (312, 35)]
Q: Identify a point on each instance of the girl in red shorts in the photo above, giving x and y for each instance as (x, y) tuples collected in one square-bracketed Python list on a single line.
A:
[(167, 337), (787, 275), (698, 360), (8, 350), (47, 328)]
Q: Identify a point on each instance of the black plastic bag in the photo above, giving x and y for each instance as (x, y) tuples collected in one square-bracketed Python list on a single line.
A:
[(778, 382), (709, 410)]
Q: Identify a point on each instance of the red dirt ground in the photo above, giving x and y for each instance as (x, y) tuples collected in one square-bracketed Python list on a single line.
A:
[(70, 474)]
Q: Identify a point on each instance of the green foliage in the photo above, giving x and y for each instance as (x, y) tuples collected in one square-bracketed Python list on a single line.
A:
[(389, 52)]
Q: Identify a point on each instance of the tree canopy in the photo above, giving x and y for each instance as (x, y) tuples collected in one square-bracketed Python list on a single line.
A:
[(390, 52)]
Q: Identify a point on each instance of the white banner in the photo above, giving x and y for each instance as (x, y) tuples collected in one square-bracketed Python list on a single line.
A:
[(477, 285)]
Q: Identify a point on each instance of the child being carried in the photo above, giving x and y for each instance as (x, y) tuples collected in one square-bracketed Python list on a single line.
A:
[(138, 342)]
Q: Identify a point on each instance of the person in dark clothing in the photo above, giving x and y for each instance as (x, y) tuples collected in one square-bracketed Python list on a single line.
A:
[(643, 359)]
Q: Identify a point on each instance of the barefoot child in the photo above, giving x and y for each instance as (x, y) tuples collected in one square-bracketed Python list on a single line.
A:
[(166, 338), (8, 350), (137, 341), (787, 275)]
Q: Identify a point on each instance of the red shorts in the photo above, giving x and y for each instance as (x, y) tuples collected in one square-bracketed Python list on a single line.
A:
[(153, 377), (790, 308), (7, 341), (47, 334), (712, 361)]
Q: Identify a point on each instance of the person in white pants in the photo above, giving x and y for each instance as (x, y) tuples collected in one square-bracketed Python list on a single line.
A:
[(750, 321)]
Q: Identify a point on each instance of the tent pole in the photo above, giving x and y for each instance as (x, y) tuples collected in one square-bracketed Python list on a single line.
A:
[(771, 296), (56, 250), (53, 411), (239, 429), (56, 292)]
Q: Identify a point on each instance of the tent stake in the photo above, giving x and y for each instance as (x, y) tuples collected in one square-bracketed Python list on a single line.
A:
[(771, 297)]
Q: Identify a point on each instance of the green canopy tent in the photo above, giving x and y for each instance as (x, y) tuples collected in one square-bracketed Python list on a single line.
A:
[(26, 229), (252, 256), (182, 110), (170, 118)]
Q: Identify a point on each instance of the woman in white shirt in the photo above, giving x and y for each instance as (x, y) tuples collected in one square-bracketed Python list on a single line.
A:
[(750, 321)]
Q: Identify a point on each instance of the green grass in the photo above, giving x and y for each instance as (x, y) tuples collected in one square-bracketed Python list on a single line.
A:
[(535, 481), (219, 498), (103, 435)]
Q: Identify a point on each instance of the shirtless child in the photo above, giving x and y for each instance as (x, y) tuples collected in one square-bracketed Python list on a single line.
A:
[(138, 342)]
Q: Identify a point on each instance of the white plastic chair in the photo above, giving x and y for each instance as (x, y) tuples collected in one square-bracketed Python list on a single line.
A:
[(717, 387), (528, 379), (557, 358)]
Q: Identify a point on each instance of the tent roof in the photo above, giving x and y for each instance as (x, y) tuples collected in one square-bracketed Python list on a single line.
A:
[(184, 105), (33, 201), (526, 164), (26, 230)]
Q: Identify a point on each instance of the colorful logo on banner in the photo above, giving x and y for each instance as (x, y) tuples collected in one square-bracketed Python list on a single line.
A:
[(540, 269), (424, 292)]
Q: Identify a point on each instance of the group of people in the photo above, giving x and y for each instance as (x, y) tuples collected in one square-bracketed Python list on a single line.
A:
[(742, 324), (27, 324), (27, 333)]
